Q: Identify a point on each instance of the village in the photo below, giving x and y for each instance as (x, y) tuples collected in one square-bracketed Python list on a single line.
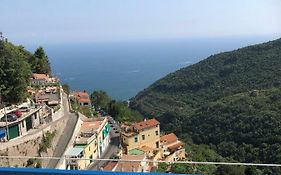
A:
[(126, 147)]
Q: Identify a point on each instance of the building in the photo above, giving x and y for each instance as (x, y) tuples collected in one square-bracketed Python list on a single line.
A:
[(142, 134), (50, 96), (126, 164), (30, 117), (173, 149), (43, 79), (143, 139), (40, 79), (91, 142), (82, 98)]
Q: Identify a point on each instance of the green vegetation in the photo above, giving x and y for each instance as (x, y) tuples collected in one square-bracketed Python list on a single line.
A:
[(117, 109), (14, 72), (46, 141), (33, 163), (85, 110), (229, 101), (16, 66), (66, 88), (39, 62)]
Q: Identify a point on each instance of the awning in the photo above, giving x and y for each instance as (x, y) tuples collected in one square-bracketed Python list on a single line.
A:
[(2, 133)]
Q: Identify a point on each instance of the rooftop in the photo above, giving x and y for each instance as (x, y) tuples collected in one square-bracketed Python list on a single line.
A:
[(169, 138), (136, 151), (40, 76), (75, 151), (128, 166), (90, 126), (82, 97), (146, 124), (175, 146)]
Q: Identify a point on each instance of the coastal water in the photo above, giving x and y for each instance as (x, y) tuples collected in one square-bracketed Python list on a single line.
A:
[(124, 68)]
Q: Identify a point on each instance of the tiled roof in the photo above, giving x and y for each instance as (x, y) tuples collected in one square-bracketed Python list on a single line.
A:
[(130, 166), (169, 138), (40, 76), (91, 126), (175, 146), (82, 97), (146, 124), (110, 166)]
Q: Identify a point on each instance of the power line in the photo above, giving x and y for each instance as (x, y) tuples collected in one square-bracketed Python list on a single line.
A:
[(158, 161)]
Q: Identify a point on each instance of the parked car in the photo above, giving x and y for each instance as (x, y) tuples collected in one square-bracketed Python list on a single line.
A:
[(10, 118), (17, 113)]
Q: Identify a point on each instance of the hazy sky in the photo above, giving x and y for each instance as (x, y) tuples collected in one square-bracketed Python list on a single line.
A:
[(64, 21)]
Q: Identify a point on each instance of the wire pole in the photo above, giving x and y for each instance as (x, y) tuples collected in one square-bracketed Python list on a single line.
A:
[(5, 114)]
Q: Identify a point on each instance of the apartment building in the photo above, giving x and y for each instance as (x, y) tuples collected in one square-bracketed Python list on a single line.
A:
[(142, 134), (91, 142)]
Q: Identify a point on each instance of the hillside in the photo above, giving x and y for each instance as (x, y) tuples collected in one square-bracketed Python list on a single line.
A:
[(230, 101), (16, 66)]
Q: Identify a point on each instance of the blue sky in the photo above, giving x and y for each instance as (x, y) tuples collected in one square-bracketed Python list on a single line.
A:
[(66, 21)]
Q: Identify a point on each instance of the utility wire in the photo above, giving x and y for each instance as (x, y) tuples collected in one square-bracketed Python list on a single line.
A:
[(158, 161)]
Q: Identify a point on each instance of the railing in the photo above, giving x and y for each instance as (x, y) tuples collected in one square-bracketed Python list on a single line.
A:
[(100, 165), (31, 171)]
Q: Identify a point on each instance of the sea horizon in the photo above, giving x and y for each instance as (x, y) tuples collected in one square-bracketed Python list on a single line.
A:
[(124, 68)]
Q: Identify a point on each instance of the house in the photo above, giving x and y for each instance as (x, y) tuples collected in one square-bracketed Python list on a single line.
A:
[(173, 149), (82, 98), (129, 163), (143, 138), (85, 147), (50, 96), (29, 118), (42, 79), (138, 135), (91, 142)]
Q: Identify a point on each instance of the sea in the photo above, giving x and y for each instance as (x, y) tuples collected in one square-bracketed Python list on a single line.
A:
[(124, 68)]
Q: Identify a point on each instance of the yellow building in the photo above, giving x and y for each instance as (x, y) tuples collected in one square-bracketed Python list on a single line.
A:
[(142, 134), (91, 142)]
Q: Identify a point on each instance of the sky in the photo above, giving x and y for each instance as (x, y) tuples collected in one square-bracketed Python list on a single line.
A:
[(73, 21)]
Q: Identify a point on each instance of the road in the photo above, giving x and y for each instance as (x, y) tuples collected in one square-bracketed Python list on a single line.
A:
[(111, 149), (66, 135)]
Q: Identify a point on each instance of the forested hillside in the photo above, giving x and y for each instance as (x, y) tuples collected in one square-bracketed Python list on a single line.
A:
[(16, 66), (230, 101)]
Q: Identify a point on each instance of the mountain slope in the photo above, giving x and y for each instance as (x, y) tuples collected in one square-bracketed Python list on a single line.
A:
[(230, 101), (253, 67)]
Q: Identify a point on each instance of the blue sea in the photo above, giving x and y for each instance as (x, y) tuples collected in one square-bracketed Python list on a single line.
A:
[(122, 69)]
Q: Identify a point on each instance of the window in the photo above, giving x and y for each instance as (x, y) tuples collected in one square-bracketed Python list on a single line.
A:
[(22, 124), (156, 132), (157, 144), (89, 148), (136, 139), (143, 137)]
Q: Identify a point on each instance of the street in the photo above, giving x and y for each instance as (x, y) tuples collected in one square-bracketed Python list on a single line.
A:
[(111, 149), (67, 133)]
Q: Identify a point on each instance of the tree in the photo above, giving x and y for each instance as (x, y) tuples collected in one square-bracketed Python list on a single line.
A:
[(40, 62), (14, 73), (66, 88), (230, 170), (100, 99)]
